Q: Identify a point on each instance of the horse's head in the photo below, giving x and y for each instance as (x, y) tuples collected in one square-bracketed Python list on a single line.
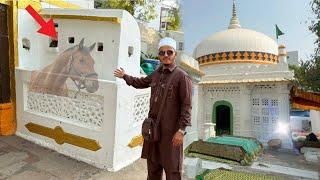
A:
[(82, 68)]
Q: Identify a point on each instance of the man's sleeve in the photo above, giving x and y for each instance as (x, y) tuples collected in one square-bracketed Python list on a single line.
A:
[(139, 83), (185, 93)]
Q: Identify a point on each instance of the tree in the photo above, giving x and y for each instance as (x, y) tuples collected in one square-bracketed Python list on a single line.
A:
[(307, 76), (175, 21), (137, 8), (315, 24)]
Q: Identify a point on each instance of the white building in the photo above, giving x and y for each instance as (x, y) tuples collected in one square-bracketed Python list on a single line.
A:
[(245, 88), (164, 9), (293, 58), (150, 39), (102, 128)]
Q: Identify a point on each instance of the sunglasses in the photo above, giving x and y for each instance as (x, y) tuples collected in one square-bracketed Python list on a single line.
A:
[(168, 52)]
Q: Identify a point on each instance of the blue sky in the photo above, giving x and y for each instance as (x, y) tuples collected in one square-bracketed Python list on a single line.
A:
[(202, 18)]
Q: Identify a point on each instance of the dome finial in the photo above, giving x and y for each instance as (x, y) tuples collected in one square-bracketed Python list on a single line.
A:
[(234, 22), (234, 11)]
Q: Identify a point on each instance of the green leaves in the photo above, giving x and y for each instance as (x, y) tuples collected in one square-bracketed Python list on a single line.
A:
[(137, 8), (175, 21), (307, 75)]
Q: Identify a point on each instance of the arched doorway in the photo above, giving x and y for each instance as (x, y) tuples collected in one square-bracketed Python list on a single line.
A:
[(222, 116)]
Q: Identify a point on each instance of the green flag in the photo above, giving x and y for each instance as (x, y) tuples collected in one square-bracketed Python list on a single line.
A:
[(278, 32)]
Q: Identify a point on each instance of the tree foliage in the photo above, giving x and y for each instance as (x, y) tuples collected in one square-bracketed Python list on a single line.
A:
[(307, 75), (137, 8), (315, 24), (175, 21)]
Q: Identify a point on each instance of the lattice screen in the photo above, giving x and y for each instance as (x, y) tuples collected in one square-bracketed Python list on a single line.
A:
[(265, 114), (85, 109), (141, 107)]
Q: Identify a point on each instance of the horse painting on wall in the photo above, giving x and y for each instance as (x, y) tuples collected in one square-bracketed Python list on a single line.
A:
[(75, 63)]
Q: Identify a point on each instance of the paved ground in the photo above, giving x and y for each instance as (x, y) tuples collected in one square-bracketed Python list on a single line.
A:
[(21, 159)]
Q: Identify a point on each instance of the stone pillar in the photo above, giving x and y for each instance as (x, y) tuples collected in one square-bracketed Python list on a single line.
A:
[(201, 116), (284, 115), (245, 110)]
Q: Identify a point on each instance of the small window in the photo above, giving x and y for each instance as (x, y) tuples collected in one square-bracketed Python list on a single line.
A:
[(255, 101), (274, 102), (71, 40), (265, 120), (100, 46), (56, 25), (265, 102), (130, 50), (26, 44), (256, 120), (53, 43), (163, 25)]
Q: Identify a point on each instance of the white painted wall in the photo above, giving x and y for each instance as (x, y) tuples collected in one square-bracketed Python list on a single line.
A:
[(119, 124), (240, 96), (27, 28), (315, 121), (293, 57)]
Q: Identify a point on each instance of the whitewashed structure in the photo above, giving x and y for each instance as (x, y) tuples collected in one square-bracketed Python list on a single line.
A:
[(245, 89), (191, 66), (100, 128), (315, 123)]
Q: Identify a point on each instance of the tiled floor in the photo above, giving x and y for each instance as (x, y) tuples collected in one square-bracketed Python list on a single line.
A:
[(23, 160)]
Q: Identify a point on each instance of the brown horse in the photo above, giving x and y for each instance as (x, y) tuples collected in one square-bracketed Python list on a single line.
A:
[(75, 63)]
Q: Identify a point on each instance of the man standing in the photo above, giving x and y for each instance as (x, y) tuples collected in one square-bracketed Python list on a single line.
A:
[(166, 154)]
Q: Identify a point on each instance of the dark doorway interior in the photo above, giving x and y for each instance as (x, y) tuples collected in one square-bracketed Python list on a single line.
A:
[(223, 120), (4, 56)]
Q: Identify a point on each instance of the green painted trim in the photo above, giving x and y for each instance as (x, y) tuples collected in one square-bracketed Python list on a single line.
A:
[(225, 103)]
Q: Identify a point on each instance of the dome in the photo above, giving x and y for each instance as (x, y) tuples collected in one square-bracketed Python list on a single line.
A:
[(238, 39), (236, 44)]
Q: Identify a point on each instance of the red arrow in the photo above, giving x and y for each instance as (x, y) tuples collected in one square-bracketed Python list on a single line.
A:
[(47, 28)]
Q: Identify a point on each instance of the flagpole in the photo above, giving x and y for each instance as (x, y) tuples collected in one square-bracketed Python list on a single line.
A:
[(277, 35)]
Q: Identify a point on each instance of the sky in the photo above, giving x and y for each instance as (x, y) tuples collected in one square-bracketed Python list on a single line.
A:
[(202, 18)]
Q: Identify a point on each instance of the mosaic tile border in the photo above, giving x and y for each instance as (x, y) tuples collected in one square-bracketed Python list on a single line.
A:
[(238, 56)]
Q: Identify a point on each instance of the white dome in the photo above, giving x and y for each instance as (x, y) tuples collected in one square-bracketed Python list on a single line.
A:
[(236, 39)]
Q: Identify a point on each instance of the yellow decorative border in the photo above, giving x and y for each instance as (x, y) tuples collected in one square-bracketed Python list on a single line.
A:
[(36, 4), (62, 137), (237, 61), (238, 57), (90, 18), (62, 4), (136, 141)]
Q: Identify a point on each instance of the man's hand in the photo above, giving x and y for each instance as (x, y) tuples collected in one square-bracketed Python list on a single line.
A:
[(119, 73), (177, 139)]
